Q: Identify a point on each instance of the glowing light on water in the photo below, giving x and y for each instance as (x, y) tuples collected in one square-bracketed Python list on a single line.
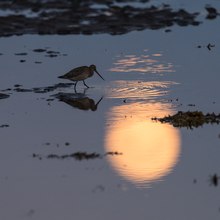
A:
[(136, 90), (149, 150), (144, 63)]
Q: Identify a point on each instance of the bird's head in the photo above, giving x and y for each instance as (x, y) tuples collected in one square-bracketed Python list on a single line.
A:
[(93, 68)]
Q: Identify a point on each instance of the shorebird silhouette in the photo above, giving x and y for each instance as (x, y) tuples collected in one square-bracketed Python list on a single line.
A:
[(80, 74)]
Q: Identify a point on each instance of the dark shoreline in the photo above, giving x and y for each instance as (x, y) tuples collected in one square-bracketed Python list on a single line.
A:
[(81, 17)]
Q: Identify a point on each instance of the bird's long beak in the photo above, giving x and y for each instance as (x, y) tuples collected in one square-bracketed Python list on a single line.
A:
[(96, 105), (99, 74)]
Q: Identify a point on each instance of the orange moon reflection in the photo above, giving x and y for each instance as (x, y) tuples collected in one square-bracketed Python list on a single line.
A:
[(149, 150)]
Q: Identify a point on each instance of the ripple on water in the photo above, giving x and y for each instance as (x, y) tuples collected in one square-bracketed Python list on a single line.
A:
[(138, 89)]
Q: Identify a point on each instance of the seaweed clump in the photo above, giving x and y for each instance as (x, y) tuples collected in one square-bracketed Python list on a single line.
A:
[(190, 119)]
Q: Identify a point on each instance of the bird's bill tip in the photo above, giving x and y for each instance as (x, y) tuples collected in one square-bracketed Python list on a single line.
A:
[(99, 74)]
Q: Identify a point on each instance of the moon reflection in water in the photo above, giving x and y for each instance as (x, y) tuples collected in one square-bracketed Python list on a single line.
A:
[(149, 150)]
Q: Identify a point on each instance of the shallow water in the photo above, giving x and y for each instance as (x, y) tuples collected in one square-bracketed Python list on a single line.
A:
[(158, 171)]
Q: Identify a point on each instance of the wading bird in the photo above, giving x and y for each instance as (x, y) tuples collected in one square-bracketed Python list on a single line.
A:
[(80, 74)]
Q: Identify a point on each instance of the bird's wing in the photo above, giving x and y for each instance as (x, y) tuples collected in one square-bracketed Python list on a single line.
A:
[(75, 72)]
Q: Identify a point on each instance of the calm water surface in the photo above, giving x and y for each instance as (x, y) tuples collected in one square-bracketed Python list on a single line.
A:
[(161, 172)]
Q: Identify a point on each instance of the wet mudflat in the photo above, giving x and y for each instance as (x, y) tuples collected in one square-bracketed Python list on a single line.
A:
[(96, 153), (65, 17)]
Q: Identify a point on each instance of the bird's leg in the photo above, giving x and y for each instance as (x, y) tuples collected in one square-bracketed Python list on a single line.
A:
[(84, 91), (75, 86), (85, 84)]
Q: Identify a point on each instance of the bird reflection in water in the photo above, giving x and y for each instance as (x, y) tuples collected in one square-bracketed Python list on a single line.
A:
[(79, 100)]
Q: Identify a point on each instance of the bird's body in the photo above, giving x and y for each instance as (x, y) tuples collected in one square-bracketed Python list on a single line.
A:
[(80, 74)]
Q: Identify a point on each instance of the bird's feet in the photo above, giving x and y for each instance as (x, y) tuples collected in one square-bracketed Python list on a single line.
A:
[(85, 84)]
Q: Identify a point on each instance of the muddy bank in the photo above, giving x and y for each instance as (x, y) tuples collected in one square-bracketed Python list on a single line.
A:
[(89, 17)]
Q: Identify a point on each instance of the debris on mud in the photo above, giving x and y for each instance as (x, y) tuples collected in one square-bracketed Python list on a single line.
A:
[(113, 153), (17, 85), (51, 88), (209, 46), (4, 96), (46, 89), (212, 12), (21, 54), (214, 179), (39, 50), (22, 90), (37, 156), (4, 126), (57, 144), (77, 155), (49, 53), (190, 119)]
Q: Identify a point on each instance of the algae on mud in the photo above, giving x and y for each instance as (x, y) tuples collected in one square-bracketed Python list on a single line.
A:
[(190, 119)]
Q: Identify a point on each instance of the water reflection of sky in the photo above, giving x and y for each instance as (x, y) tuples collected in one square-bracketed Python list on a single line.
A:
[(149, 150), (143, 63), (70, 184), (137, 90)]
